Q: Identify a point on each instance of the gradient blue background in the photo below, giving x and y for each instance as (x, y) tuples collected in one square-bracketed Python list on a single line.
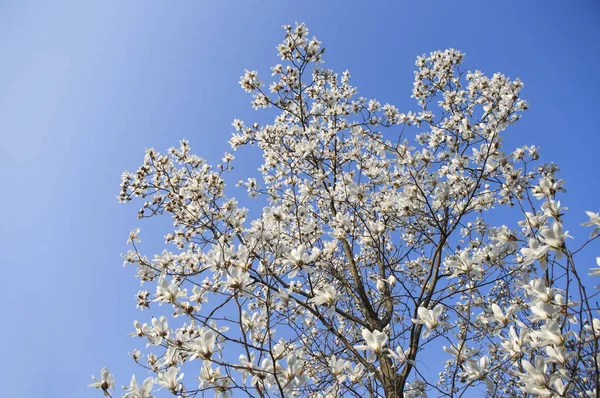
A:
[(85, 86)]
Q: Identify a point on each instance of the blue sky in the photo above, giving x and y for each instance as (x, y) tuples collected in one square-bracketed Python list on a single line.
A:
[(85, 86)]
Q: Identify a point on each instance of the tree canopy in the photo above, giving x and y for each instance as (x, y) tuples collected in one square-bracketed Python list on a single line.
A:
[(377, 250)]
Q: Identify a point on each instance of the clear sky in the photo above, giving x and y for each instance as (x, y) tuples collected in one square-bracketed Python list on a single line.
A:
[(85, 86)]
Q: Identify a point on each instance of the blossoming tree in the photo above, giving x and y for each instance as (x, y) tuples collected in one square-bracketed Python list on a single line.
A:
[(375, 252)]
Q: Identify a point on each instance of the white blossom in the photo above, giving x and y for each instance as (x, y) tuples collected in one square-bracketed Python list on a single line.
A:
[(105, 383), (594, 222), (429, 318), (375, 341), (170, 379), (135, 391)]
